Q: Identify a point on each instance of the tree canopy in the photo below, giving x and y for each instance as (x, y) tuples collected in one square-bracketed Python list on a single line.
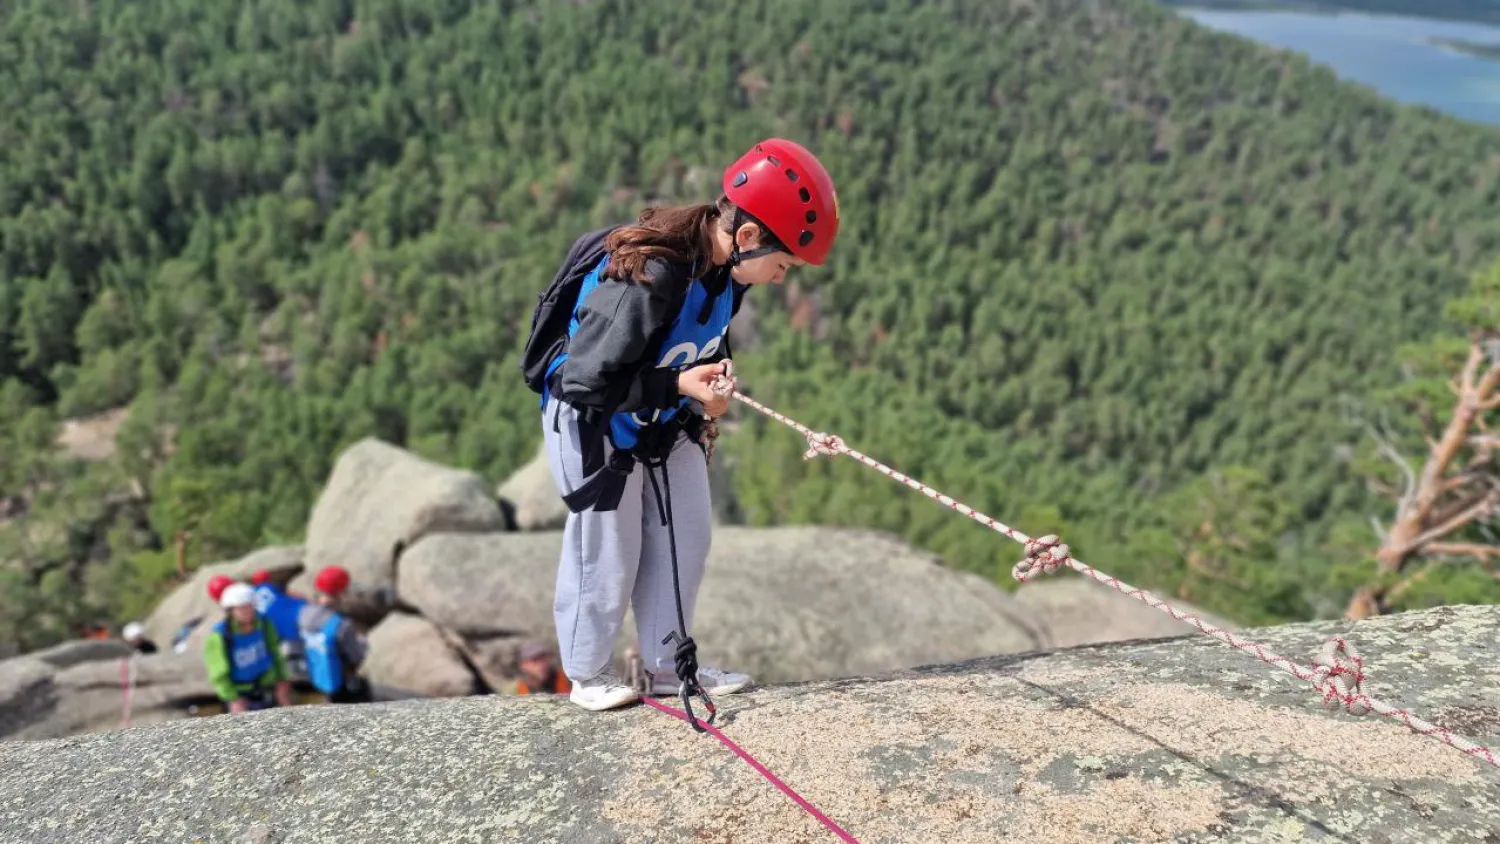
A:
[(1103, 271)]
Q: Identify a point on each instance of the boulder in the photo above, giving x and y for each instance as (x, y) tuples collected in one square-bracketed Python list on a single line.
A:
[(482, 584), (1074, 610), (533, 495), (79, 651), (408, 652), (1177, 740), (27, 693), (190, 600), (89, 696), (793, 603), (380, 499)]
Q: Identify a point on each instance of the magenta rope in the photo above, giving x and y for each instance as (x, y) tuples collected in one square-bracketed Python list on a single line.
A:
[(754, 763)]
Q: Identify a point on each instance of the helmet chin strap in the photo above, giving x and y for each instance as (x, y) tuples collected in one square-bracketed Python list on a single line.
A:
[(736, 257)]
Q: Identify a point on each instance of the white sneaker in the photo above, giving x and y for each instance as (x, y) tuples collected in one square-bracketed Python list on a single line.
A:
[(602, 691), (715, 681)]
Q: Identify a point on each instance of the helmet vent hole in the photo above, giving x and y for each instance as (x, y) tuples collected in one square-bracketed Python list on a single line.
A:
[(741, 178), (812, 217), (791, 174), (805, 194), (805, 238), (775, 162)]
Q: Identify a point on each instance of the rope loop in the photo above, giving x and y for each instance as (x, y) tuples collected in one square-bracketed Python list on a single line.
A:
[(1044, 555), (820, 443), (724, 383), (1339, 676)]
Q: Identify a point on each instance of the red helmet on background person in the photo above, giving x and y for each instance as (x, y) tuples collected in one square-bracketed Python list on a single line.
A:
[(260, 578), (786, 188), (331, 580), (217, 584)]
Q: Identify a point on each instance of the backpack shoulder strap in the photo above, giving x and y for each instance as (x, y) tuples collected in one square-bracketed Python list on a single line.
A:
[(554, 308)]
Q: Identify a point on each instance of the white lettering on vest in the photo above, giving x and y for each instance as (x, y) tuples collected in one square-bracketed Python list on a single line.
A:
[(247, 655), (681, 354)]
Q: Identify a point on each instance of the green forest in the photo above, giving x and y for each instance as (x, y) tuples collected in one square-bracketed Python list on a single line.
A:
[(1103, 272)]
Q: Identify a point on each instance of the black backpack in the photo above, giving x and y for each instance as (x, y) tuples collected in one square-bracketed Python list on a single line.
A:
[(554, 308)]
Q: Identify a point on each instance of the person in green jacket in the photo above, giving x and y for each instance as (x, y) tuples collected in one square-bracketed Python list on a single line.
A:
[(243, 655)]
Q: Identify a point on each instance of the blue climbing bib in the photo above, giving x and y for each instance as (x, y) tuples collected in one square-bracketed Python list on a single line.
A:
[(281, 610), (249, 657), (687, 342), (325, 670)]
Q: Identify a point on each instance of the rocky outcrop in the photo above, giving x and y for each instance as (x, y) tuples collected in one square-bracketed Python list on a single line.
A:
[(381, 499), (27, 694), (1073, 610), (408, 652), (92, 438), (78, 651), (532, 493), (783, 603), (1183, 740), (40, 700)]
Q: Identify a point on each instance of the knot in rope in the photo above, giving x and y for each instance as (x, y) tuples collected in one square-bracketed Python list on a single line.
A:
[(686, 660), (821, 443), (724, 383), (1043, 556), (1338, 675)]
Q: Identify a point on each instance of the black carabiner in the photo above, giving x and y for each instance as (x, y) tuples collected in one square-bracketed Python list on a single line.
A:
[(687, 706)]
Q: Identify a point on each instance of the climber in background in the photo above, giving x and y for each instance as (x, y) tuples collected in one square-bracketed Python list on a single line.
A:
[(243, 655), (282, 609), (134, 635), (216, 586), (333, 646), (627, 343), (539, 671)]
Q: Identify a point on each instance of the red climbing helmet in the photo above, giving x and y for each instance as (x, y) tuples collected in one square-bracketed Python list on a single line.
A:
[(260, 578), (781, 184), (331, 580), (217, 584)]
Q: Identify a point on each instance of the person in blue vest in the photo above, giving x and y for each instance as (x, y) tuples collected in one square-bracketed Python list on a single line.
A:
[(333, 646), (243, 656), (628, 378), (282, 609)]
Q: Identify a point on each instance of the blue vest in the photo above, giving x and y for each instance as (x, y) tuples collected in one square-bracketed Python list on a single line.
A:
[(687, 342), (249, 658), (280, 609), (325, 669)]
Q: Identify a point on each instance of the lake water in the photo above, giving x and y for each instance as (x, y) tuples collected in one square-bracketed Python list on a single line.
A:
[(1387, 53)]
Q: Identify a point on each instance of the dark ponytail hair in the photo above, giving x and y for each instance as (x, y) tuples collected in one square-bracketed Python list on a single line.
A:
[(677, 233)]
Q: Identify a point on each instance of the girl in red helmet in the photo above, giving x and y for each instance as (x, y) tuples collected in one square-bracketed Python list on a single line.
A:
[(625, 346)]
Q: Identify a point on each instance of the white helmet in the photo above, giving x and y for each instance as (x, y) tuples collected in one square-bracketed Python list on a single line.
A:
[(237, 595), (133, 630)]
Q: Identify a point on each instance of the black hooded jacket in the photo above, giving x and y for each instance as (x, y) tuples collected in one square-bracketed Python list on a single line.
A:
[(620, 327)]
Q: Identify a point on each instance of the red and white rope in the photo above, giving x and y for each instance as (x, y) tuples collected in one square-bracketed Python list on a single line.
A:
[(1337, 673)]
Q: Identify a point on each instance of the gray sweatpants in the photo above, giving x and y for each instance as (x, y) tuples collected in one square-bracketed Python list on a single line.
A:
[(620, 556)]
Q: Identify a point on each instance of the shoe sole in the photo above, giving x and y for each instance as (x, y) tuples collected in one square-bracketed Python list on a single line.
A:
[(600, 706)]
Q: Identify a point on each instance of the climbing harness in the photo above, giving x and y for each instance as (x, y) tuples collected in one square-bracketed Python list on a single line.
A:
[(1337, 674)]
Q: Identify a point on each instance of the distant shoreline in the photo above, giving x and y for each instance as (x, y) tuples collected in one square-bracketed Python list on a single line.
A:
[(1467, 48), (1461, 11), (1310, 7)]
